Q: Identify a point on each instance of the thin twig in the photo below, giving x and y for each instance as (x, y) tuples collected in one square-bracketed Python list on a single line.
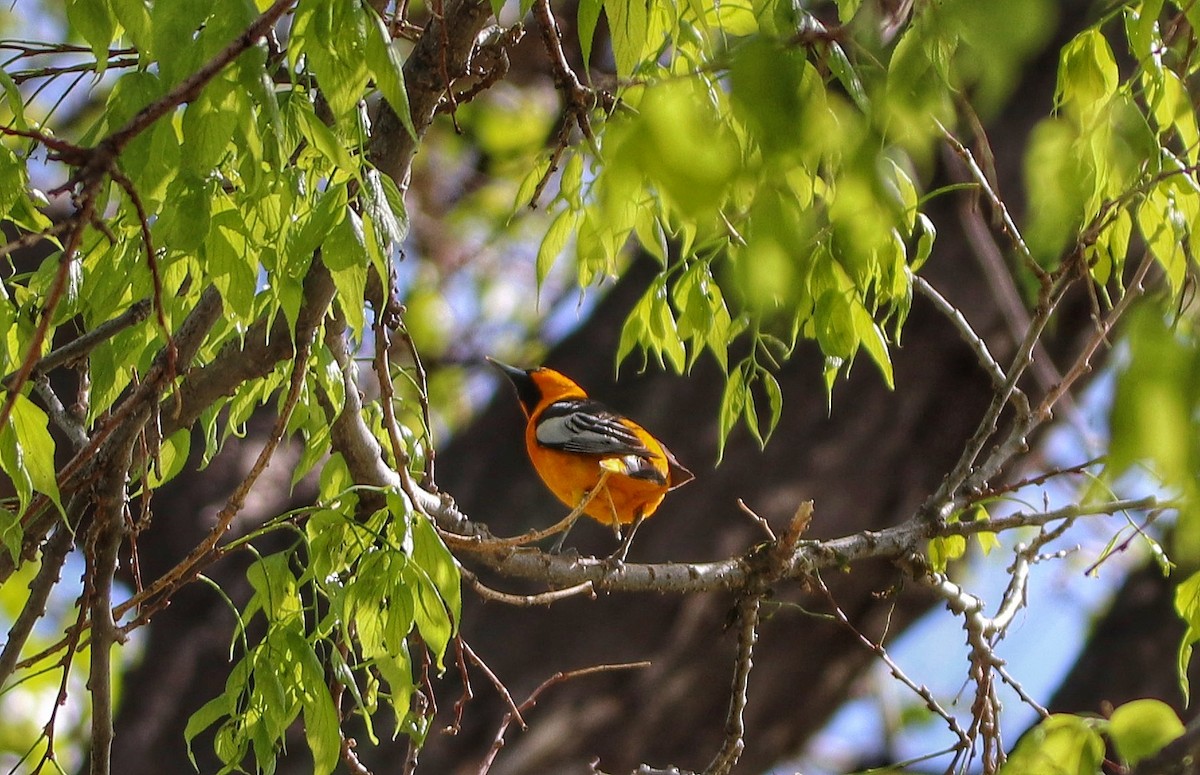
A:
[(108, 530), (1082, 363), (151, 262), (965, 473), (525, 601), (427, 478), (976, 343), (734, 741), (387, 392), (66, 422), (496, 682), (997, 203), (467, 693), (31, 238), (895, 669), (531, 701), (760, 521), (22, 76), (81, 345)]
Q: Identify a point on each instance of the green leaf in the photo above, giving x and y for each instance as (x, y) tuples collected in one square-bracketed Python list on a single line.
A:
[(987, 541), (13, 179), (628, 23), (529, 184), (172, 457), (589, 15), (1087, 73), (944, 549), (1142, 727), (1060, 745), (924, 242), (209, 123), (94, 21), (1059, 185), (432, 619), (835, 321), (209, 713), (774, 400), (555, 242), (1187, 605), (345, 255), (840, 65), (172, 27), (16, 104), (230, 259), (183, 222), (385, 209), (332, 38), (432, 556), (870, 335), (11, 534), (327, 143), (27, 452), (321, 728), (733, 402), (384, 60)]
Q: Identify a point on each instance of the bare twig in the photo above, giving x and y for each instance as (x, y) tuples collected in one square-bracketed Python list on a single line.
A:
[(1082, 363), (107, 531), (81, 345), (897, 672), (496, 682), (22, 76), (1010, 226), (31, 238), (68, 424), (734, 742), (579, 100), (966, 475), (531, 701), (525, 601), (151, 262), (973, 340), (756, 519)]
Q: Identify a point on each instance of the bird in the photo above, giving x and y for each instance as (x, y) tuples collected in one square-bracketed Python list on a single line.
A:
[(595, 460)]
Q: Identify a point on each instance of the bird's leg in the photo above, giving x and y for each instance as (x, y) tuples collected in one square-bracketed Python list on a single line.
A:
[(563, 525), (562, 537), (619, 555), (569, 522)]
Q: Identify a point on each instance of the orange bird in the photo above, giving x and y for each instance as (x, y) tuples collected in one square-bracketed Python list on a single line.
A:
[(578, 445)]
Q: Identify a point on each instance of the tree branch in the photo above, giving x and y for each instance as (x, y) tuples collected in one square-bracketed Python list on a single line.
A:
[(392, 147)]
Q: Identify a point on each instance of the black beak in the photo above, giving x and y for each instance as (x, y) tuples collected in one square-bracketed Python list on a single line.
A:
[(527, 390), (517, 376)]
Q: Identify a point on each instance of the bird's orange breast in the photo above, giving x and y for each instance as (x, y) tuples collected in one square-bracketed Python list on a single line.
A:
[(623, 499)]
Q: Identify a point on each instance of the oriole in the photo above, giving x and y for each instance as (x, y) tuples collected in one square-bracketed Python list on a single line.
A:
[(577, 444)]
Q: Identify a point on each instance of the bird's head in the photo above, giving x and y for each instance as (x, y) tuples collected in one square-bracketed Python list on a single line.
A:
[(538, 386)]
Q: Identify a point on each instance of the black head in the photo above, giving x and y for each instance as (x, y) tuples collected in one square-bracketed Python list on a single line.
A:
[(528, 392)]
